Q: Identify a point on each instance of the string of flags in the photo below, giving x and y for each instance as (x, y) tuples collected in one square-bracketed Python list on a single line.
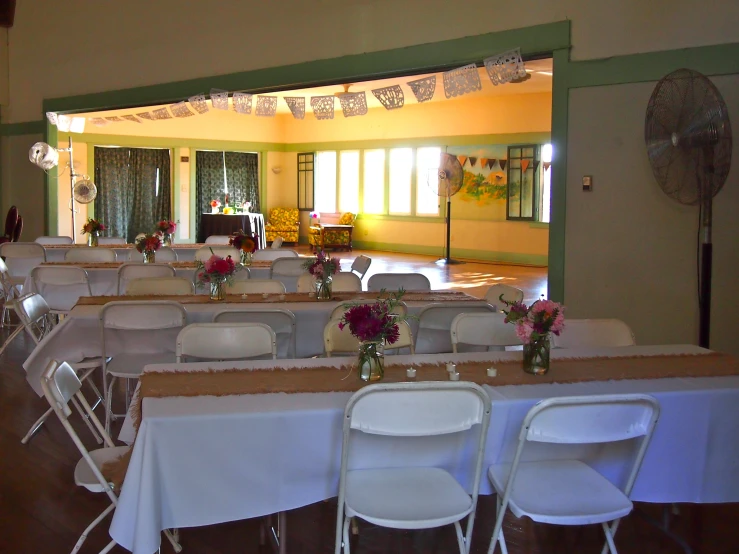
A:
[(501, 68), (490, 163)]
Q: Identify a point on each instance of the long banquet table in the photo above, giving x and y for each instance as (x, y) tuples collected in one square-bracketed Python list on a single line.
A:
[(56, 252), (78, 336), (209, 459)]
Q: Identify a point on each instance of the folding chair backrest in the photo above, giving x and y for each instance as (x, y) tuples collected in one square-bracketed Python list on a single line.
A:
[(91, 254), (401, 309), (417, 409), (290, 267), (33, 311), (435, 324), (584, 333), (277, 243), (510, 294), (217, 239), (160, 286), (483, 329), (281, 321), (306, 283), (165, 255), (61, 287), (111, 240), (346, 282), (226, 341), (338, 340), (361, 264), (60, 385), (69, 275), (139, 270), (143, 315), (22, 257), (274, 253), (396, 281), (257, 286), (205, 252), (54, 240)]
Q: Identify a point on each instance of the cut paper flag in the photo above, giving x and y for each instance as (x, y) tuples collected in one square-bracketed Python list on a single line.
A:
[(129, 117), (353, 103), (114, 118), (161, 113), (391, 97), (296, 105), (323, 106), (473, 161), (462, 159), (99, 121), (505, 67), (547, 165), (525, 165), (145, 115), (461, 80), (242, 103), (219, 98), (423, 89), (180, 109), (266, 106), (502, 164), (198, 103)]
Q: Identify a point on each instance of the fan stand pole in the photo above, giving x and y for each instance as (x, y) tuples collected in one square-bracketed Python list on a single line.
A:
[(704, 321), (72, 175), (448, 259)]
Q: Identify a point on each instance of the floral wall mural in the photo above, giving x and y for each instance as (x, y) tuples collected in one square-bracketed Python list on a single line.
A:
[(483, 194)]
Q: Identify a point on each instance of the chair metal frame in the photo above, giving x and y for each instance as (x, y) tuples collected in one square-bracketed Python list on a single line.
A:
[(410, 418), (361, 265)]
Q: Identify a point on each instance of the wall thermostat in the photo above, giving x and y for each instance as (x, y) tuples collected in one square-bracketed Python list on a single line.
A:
[(587, 182)]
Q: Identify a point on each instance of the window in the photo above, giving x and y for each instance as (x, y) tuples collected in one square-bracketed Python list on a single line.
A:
[(427, 199), (325, 182), (523, 182), (305, 180), (401, 168), (546, 183), (349, 181), (374, 182)]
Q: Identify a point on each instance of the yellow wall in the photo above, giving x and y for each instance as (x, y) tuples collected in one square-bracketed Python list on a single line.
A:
[(65, 215)]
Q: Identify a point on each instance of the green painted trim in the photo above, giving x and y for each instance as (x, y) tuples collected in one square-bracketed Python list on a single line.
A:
[(422, 58), (455, 140), (172, 142), (51, 190), (176, 193), (25, 128), (263, 176), (722, 59), (538, 260), (538, 225), (193, 198)]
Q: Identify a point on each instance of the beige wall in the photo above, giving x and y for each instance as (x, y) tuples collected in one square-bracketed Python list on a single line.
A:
[(630, 250)]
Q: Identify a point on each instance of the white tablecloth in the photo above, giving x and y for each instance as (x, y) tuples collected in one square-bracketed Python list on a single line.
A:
[(184, 253), (204, 460)]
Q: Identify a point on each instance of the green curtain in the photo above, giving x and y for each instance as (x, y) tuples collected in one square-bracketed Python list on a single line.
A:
[(134, 189), (242, 173)]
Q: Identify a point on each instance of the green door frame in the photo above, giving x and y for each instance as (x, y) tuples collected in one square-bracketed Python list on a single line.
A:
[(552, 39)]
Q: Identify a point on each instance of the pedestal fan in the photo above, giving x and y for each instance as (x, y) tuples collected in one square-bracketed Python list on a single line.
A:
[(447, 181), (688, 137)]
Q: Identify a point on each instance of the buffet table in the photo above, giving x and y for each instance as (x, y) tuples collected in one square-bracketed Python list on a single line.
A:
[(222, 224), (203, 460)]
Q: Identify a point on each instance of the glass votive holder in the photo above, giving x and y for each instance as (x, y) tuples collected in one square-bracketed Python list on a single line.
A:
[(265, 295), (454, 376), (410, 373), (282, 298), (492, 372), (451, 368)]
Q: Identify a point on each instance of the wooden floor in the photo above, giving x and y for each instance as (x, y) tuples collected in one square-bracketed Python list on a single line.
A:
[(42, 511)]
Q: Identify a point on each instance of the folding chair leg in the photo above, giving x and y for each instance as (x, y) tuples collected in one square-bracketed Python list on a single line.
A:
[(36, 426), (108, 548), (460, 538), (612, 528), (90, 527), (109, 405), (609, 538), (173, 537), (87, 421), (10, 338), (498, 536), (345, 535)]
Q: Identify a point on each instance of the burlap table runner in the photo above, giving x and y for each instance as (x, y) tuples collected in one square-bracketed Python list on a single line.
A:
[(259, 264), (121, 246), (345, 379), (430, 296)]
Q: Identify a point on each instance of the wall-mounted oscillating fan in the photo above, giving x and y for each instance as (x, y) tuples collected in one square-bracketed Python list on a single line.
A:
[(84, 191), (688, 136), (447, 181)]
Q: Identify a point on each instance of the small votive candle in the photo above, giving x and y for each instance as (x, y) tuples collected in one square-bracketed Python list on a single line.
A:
[(492, 372), (282, 297), (311, 294), (265, 295), (454, 376), (451, 368), (244, 296), (410, 373)]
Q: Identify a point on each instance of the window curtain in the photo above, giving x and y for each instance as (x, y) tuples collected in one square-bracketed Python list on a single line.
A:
[(242, 173), (134, 189)]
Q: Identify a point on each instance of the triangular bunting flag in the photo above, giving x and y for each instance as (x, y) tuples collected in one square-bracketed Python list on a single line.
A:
[(483, 162), (525, 165), (473, 161), (536, 165), (462, 159), (491, 163), (547, 165), (502, 164)]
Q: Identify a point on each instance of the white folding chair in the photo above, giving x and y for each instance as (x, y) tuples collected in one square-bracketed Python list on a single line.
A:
[(256, 286), (277, 243), (306, 283), (61, 286), (483, 329), (360, 265), (21, 258), (401, 309), (139, 270), (9, 291), (34, 316), (411, 497), (226, 341), (54, 240), (281, 321), (594, 333), (90, 254), (111, 240), (165, 254), (340, 282), (205, 252), (435, 324), (340, 340), (396, 281), (160, 286), (287, 270), (133, 317), (270, 254), (568, 491), (61, 385), (218, 239), (510, 294)]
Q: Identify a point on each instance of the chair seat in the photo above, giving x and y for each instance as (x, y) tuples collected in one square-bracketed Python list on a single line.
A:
[(562, 492), (130, 366), (83, 475), (406, 498)]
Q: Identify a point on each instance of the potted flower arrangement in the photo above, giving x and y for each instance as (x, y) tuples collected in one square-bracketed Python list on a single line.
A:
[(245, 244), (246, 206), (148, 245), (216, 271), (92, 228), (373, 325), (214, 205), (322, 267), (166, 228), (533, 325)]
